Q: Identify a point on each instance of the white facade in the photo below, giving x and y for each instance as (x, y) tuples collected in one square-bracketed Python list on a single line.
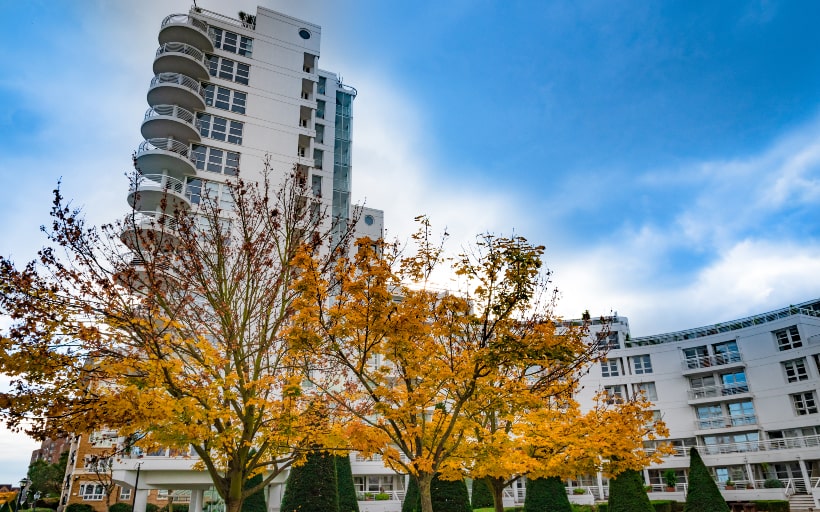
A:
[(744, 392), (228, 94)]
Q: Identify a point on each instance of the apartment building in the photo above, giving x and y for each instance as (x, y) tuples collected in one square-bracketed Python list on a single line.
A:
[(226, 95), (744, 392)]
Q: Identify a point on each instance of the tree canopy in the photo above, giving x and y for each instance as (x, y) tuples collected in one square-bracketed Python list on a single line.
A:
[(437, 381), (179, 342)]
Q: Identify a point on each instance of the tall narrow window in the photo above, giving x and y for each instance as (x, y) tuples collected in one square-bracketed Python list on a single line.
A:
[(641, 364), (611, 367)]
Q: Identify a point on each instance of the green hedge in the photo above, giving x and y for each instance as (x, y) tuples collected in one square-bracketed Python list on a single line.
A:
[(345, 487), (150, 507), (79, 507), (626, 493), (772, 505), (311, 487), (120, 507), (546, 494), (482, 496)]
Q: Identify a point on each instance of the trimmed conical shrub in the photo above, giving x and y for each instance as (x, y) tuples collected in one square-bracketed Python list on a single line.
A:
[(546, 495), (626, 493), (346, 488), (311, 487), (256, 501), (482, 496), (412, 498), (703, 494), (447, 496)]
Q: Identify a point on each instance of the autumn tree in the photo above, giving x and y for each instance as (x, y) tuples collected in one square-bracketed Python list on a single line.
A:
[(181, 339), (414, 365)]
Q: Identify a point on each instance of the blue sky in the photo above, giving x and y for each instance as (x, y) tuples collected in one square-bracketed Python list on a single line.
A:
[(666, 153)]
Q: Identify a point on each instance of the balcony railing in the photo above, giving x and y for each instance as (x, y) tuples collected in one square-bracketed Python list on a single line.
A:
[(160, 180), (768, 445), (179, 79), (166, 144), (184, 19), (172, 111), (725, 421), (717, 390), (185, 49), (153, 219), (696, 362)]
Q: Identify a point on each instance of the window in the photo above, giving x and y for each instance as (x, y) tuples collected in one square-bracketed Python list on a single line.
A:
[(703, 387), (231, 42), (318, 156), (197, 190), (615, 393), (103, 438), (795, 370), (641, 364), (805, 403), (611, 367), (788, 339), (316, 185), (648, 389), (607, 341), (220, 128), (320, 109), (228, 69), (732, 443), (710, 416), (224, 98), (322, 87), (696, 357), (734, 383), (211, 159), (125, 494), (91, 492), (742, 413), (320, 133), (726, 353)]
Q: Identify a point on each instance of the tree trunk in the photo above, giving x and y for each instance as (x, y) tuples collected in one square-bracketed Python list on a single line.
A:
[(497, 489), (425, 485)]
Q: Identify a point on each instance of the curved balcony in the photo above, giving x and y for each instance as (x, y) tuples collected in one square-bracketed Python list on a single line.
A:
[(149, 228), (181, 58), (176, 89), (165, 154), (170, 121), (158, 192), (183, 28)]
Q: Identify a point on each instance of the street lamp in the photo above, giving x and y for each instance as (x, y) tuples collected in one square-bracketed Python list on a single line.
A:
[(23, 485)]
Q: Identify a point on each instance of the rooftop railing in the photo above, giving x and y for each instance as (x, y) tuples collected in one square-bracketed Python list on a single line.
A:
[(811, 308)]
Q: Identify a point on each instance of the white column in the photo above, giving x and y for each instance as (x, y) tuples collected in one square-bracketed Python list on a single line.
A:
[(646, 477), (600, 485), (140, 500), (805, 473), (275, 497), (196, 500)]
